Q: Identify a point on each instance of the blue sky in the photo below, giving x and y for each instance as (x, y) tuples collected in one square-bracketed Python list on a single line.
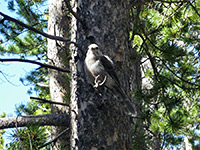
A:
[(14, 93)]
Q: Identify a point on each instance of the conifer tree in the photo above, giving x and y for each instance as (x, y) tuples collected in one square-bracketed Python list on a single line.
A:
[(155, 48)]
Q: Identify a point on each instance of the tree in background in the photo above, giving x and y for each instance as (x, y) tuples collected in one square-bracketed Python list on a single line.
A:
[(155, 47)]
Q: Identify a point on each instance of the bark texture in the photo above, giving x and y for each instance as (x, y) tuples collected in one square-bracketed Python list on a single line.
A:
[(42, 120), (58, 25), (98, 120)]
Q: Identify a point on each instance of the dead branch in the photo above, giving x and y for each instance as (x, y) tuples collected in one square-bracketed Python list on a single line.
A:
[(6, 17), (35, 62), (42, 120), (53, 37), (48, 101)]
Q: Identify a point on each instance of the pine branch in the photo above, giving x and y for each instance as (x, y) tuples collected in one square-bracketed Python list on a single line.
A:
[(180, 78), (55, 139), (42, 120), (6, 17), (170, 2), (149, 55), (53, 37), (35, 62), (195, 9)]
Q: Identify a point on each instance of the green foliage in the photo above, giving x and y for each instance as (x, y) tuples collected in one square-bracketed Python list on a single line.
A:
[(30, 137), (168, 33), (26, 43), (2, 132), (36, 78)]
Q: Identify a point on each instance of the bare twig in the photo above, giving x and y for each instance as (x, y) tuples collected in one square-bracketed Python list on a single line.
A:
[(31, 146), (4, 75), (48, 101), (55, 139), (34, 62)]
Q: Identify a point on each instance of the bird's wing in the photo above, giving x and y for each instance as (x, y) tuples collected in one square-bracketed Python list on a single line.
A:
[(109, 67)]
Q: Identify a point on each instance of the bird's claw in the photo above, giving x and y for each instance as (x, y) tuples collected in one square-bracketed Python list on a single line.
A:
[(98, 83)]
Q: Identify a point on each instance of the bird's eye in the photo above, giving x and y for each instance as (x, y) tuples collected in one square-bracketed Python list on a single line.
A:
[(94, 48)]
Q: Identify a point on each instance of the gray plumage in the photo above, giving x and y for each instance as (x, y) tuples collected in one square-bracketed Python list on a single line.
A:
[(100, 68), (100, 71)]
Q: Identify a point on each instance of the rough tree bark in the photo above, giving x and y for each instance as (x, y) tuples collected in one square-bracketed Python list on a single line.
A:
[(58, 25), (42, 120), (98, 120)]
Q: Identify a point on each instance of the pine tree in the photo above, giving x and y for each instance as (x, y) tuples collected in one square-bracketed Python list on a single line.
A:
[(155, 49)]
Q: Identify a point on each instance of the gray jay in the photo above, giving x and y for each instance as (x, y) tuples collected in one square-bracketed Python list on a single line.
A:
[(100, 71), (99, 68)]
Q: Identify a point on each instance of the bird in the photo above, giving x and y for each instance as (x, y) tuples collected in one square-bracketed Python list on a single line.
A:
[(99, 68), (100, 71)]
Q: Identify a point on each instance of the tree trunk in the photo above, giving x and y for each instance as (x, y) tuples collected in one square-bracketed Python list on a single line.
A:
[(186, 144), (57, 55), (98, 120)]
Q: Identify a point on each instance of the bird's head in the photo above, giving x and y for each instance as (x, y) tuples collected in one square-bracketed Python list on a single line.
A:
[(93, 48)]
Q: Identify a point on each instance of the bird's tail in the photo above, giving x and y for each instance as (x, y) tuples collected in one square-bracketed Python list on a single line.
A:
[(127, 102)]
